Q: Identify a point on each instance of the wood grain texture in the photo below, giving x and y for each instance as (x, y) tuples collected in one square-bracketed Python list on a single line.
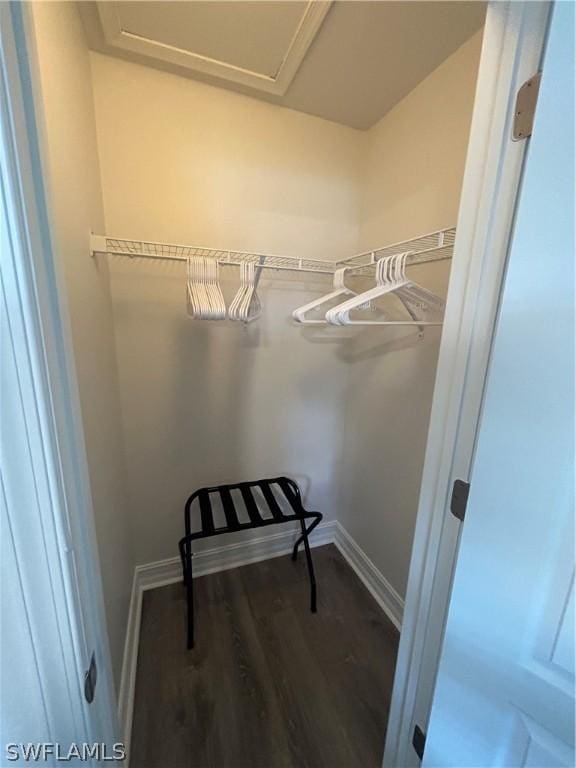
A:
[(269, 684)]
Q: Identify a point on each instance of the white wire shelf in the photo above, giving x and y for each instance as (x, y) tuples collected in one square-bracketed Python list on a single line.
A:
[(142, 249), (435, 246)]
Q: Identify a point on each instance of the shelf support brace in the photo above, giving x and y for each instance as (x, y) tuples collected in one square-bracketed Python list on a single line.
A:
[(261, 261), (97, 244)]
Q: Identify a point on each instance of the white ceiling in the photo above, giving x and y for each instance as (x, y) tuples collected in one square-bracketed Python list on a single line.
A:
[(349, 61)]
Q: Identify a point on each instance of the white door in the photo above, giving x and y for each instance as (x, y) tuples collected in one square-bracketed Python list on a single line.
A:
[(505, 689)]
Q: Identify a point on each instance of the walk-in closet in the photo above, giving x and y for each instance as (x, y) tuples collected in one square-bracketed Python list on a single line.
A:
[(255, 206)]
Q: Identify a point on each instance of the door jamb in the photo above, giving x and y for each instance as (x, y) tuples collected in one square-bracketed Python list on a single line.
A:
[(512, 50), (48, 360)]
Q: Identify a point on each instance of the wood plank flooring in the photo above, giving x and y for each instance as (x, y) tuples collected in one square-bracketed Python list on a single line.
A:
[(269, 684)]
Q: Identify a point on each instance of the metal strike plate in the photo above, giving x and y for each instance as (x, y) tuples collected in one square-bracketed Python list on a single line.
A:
[(525, 109)]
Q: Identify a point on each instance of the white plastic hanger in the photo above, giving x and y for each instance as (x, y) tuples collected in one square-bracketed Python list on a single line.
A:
[(388, 277), (391, 278), (251, 307), (339, 290), (197, 298), (246, 305), (235, 304), (204, 298), (192, 305), (218, 303), (415, 298)]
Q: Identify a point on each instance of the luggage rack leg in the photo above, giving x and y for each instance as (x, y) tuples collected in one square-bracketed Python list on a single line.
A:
[(186, 557), (181, 547), (301, 538), (304, 538)]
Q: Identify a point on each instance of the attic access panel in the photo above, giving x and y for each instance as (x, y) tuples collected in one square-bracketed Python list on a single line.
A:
[(256, 44)]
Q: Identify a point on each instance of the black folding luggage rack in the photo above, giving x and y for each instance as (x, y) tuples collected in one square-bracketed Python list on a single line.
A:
[(287, 489)]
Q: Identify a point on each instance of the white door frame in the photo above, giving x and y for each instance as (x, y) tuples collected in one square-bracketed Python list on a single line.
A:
[(39, 331), (512, 50)]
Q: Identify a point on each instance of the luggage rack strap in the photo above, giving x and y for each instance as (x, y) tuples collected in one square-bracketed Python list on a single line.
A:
[(284, 485)]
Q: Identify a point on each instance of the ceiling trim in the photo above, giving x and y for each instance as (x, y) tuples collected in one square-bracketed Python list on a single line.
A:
[(122, 39)]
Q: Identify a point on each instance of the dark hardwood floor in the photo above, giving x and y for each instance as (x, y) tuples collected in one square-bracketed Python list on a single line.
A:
[(269, 684)]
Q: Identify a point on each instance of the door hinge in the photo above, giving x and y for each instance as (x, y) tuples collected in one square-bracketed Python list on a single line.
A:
[(419, 741), (526, 100), (90, 679), (459, 500)]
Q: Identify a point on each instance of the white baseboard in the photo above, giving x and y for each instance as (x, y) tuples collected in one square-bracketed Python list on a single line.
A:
[(222, 558), (378, 586), (129, 662), (164, 572)]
